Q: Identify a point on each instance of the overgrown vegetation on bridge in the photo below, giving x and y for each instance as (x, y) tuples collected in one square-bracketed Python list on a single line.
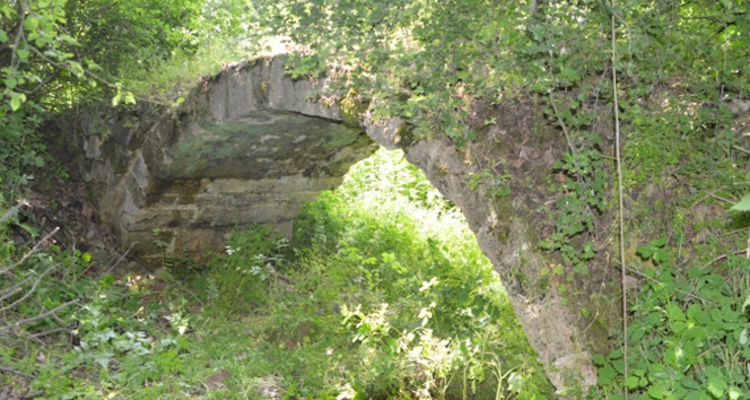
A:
[(682, 90)]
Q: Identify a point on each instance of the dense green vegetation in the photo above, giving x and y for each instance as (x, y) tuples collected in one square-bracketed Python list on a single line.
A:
[(682, 77), (383, 295), (682, 73)]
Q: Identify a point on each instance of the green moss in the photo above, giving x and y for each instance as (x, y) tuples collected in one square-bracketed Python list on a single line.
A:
[(262, 93), (504, 209), (188, 189), (341, 136), (352, 107), (603, 315), (542, 285), (405, 135), (502, 233)]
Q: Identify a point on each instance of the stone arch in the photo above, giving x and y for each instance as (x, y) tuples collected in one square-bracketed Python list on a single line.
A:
[(248, 146)]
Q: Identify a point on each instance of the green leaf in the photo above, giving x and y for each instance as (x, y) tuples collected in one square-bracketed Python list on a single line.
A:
[(30, 229), (696, 272), (674, 313), (735, 393), (661, 256), (606, 374), (679, 326), (619, 366), (730, 326), (656, 392), (637, 335), (31, 23), (15, 103), (715, 382), (645, 251), (690, 383), (23, 54), (743, 204), (570, 74), (3, 36), (632, 382), (698, 314), (129, 98)]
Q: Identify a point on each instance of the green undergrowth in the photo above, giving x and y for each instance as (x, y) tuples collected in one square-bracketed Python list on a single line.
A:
[(383, 294), (688, 333), (687, 336)]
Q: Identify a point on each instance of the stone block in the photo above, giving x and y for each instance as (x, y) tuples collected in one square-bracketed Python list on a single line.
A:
[(283, 184), (240, 97), (289, 95), (202, 240), (218, 90), (241, 200), (163, 217), (145, 243), (268, 213)]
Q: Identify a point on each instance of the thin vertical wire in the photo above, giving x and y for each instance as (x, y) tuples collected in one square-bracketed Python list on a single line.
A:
[(620, 195)]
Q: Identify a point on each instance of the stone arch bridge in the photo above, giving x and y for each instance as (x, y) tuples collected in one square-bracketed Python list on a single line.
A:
[(249, 146)]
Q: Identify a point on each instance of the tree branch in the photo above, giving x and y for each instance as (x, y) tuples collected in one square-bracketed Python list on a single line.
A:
[(22, 17), (13, 210), (29, 292), (29, 253), (36, 317)]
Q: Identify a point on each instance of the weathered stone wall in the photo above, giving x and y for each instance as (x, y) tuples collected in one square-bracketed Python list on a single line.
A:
[(246, 147)]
